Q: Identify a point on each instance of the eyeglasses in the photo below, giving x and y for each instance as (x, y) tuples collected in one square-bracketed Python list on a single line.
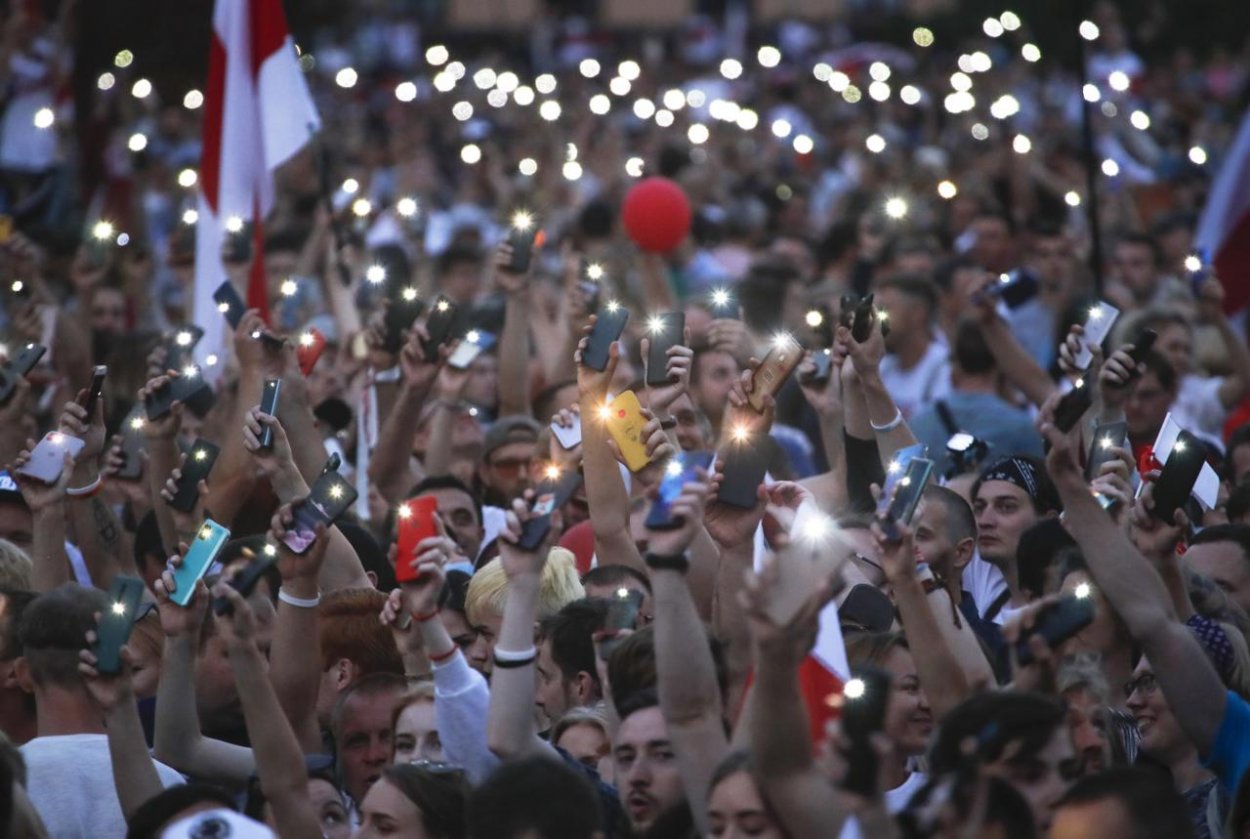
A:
[(511, 464), (1146, 684)]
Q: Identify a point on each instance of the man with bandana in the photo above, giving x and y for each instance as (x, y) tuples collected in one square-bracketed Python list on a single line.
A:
[(1011, 496)]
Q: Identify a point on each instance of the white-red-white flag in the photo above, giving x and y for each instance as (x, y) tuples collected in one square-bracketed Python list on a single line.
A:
[(257, 114), (1223, 235)]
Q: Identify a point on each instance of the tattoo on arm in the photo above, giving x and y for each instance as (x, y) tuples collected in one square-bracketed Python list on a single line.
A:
[(106, 530)]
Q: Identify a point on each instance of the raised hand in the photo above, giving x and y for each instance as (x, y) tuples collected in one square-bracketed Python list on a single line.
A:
[(38, 495), (75, 422), (178, 620), (505, 278), (741, 421), (729, 525), (185, 523), (1063, 462), (783, 644), (517, 561), (418, 373), (276, 461), (1116, 376), (1156, 539), (238, 627), (592, 382), (108, 690), (299, 572), (420, 596), (866, 357), (168, 426), (688, 509), (660, 398)]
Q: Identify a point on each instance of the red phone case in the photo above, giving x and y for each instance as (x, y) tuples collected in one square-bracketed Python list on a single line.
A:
[(418, 525), (308, 353)]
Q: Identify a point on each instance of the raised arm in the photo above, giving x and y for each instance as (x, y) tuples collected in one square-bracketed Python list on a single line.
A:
[(389, 467), (884, 417), (829, 488), (1012, 358), (514, 349), (449, 388), (1211, 307)]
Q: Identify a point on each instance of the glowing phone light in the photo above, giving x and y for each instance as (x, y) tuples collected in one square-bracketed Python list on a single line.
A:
[(740, 434), (1193, 264), (404, 511), (815, 318), (289, 287), (119, 608), (136, 423), (443, 305), (720, 298), (102, 230), (206, 532), (1083, 590), (409, 294), (200, 454), (612, 305), (336, 492), (553, 472), (594, 271), (307, 339), (522, 220), (854, 689), (270, 550), (1095, 312), (655, 324), (183, 339), (673, 469)]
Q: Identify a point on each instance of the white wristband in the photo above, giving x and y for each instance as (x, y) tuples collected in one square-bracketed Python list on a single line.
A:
[(89, 489), (516, 655), (891, 425), (299, 602)]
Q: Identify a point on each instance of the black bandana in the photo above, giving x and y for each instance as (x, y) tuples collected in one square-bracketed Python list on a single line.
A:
[(1014, 470)]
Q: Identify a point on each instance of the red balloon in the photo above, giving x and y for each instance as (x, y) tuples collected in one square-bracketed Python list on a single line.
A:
[(656, 215)]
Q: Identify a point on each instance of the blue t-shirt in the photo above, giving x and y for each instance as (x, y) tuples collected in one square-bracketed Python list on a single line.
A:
[(1006, 429), (1230, 753)]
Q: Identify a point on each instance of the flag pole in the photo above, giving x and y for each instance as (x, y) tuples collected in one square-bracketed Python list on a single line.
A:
[(1087, 150)]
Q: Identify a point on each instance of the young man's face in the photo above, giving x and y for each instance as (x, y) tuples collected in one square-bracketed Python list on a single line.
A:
[(1042, 778), (647, 779), (1004, 511), (364, 740), (715, 373), (1147, 406), (459, 516), (1227, 565), (507, 469), (481, 653), (553, 694), (932, 541)]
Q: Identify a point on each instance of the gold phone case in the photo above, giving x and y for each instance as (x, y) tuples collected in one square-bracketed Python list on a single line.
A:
[(781, 360)]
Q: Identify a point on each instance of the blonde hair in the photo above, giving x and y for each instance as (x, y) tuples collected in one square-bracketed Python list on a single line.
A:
[(488, 588), (588, 715), (16, 567)]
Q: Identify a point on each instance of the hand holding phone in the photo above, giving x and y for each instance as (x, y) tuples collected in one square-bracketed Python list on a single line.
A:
[(744, 465), (609, 324), (1180, 473), (330, 497), (784, 355), (1107, 437), (19, 366), (415, 519), (864, 700), (549, 498), (244, 582), (663, 332), (862, 322), (681, 470), (269, 405), (901, 507), (210, 539), (195, 468), (93, 392), (311, 344), (1099, 320), (230, 304), (439, 326), (1073, 405), (625, 424), (116, 623), (47, 461)]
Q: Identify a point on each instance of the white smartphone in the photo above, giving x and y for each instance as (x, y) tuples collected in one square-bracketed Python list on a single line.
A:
[(1098, 322), (48, 458), (568, 437)]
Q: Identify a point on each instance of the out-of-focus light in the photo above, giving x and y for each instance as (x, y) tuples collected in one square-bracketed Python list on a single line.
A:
[(879, 71), (437, 55), (546, 83), (1031, 53), (1005, 107), (875, 143), (375, 274), (572, 170), (211, 359), (496, 98), (634, 167), (748, 119), (981, 62), (1109, 109), (992, 27), (1139, 120), (964, 63), (508, 81), (44, 117), (629, 69), (471, 153), (1110, 168), (781, 128), (524, 96), (1091, 93), (896, 207), (600, 104), (462, 110), (346, 78), (1198, 156), (1088, 30), (620, 86), (456, 70), (879, 91), (961, 82), (1072, 198), (674, 99), (947, 190), (589, 68), (664, 118), (485, 78), (697, 134), (768, 56), (644, 108), (528, 167), (123, 239), (1193, 264), (731, 68), (137, 142), (289, 289), (362, 207), (406, 91), (839, 81), (407, 207), (350, 186), (106, 81), (1010, 21), (696, 98), (803, 144), (814, 318), (141, 89), (190, 216), (980, 131), (187, 178), (922, 36), (192, 100), (822, 71), (910, 94), (1118, 81), (124, 58), (549, 110), (444, 83), (740, 433), (1082, 591), (1021, 144)]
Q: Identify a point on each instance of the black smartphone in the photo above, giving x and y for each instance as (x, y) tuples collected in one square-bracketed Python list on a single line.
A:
[(1142, 346), (193, 391), (330, 497), (722, 305), (621, 614), (116, 622), (238, 246), (522, 241), (179, 344), (1178, 477), (1015, 288), (1057, 623), (21, 365), (403, 307), (98, 375), (269, 405), (846, 310), (906, 498), (663, 331), (230, 304), (1107, 436), (609, 324), (195, 468), (823, 359), (134, 442), (861, 327), (550, 498), (245, 582), (865, 697), (680, 471), (1073, 406), (333, 462), (439, 326), (158, 402), (745, 465)]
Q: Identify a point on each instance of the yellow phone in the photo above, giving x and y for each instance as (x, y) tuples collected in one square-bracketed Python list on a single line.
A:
[(625, 422)]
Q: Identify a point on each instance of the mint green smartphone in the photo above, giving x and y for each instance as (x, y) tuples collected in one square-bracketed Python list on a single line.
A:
[(209, 541)]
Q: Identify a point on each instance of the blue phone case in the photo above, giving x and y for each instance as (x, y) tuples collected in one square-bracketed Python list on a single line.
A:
[(681, 472), (209, 541)]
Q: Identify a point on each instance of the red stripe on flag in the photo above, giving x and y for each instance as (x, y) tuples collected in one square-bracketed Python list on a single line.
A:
[(817, 684), (1232, 265), (257, 283), (269, 30), (214, 119)]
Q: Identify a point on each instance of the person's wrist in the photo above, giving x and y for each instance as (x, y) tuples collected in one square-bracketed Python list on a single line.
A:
[(301, 586)]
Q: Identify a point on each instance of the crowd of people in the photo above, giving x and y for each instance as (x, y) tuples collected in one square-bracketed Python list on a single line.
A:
[(442, 580)]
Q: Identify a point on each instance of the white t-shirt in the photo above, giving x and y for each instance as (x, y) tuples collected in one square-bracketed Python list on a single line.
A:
[(985, 583), (70, 782), (895, 802), (918, 387)]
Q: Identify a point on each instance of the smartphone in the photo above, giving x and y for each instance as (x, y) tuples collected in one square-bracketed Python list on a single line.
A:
[(245, 582), (823, 359), (238, 245), (312, 344), (681, 470), (551, 498), (663, 331), (865, 697), (1057, 623), (522, 242), (195, 468), (1099, 320), (1107, 436), (805, 564), (625, 422), (906, 498), (98, 375), (861, 326), (609, 324), (201, 555), (1142, 346), (592, 290), (470, 347), (1178, 477), (846, 310), (230, 304), (21, 365), (116, 623), (158, 403), (722, 305), (744, 468), (439, 325), (415, 522), (178, 346), (47, 461), (621, 614), (134, 443), (269, 405), (403, 307), (568, 437), (193, 391), (785, 355), (1014, 289), (895, 471), (1073, 406), (331, 496)]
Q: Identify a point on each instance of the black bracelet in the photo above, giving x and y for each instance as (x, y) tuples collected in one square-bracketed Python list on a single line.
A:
[(672, 562), (508, 665)]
